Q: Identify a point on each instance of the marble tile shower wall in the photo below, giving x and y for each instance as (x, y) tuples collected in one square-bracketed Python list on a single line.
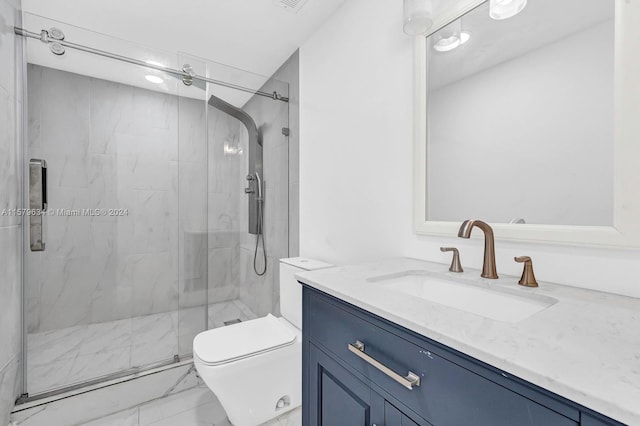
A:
[(10, 225), (261, 294), (227, 169), (112, 146)]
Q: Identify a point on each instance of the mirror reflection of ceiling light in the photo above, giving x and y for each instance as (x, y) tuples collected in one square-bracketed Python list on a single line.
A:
[(447, 44), (450, 37), (504, 9), (154, 79)]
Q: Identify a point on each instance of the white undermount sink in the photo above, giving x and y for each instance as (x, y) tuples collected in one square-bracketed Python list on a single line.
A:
[(480, 298)]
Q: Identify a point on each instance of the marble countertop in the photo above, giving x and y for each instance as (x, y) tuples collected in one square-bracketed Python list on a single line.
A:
[(585, 348)]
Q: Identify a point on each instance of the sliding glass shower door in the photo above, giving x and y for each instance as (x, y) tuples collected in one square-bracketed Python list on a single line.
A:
[(120, 145)]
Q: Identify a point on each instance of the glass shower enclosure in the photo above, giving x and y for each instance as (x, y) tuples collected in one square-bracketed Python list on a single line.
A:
[(153, 195)]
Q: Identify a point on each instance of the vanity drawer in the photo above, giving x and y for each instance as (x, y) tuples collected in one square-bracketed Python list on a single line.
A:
[(448, 394)]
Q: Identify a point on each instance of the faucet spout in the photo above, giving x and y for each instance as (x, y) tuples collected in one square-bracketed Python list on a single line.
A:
[(489, 262)]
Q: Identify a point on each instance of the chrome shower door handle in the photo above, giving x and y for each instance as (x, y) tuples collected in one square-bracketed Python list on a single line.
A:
[(408, 381), (37, 202)]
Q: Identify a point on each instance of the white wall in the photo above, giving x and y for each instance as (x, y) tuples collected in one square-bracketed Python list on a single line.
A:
[(356, 159), (355, 148), (531, 137)]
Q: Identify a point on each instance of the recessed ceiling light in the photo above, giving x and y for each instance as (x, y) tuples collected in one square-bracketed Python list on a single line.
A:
[(154, 79), (447, 44)]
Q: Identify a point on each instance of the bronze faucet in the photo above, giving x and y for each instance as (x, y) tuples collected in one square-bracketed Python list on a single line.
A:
[(527, 279), (456, 266), (489, 263)]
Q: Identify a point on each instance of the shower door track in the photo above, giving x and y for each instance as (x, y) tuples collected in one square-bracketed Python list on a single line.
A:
[(25, 402), (187, 75)]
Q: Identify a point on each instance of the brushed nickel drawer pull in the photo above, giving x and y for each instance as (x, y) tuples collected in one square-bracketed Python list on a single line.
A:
[(408, 382)]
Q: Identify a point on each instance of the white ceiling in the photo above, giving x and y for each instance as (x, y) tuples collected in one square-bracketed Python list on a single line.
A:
[(252, 35)]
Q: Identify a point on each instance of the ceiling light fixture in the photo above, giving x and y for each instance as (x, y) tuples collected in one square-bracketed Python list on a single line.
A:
[(504, 9), (417, 16), (154, 79)]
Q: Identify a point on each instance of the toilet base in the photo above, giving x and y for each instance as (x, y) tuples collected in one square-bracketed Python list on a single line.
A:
[(259, 388)]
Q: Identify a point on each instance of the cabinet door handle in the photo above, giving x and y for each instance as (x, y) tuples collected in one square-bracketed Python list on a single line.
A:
[(408, 382)]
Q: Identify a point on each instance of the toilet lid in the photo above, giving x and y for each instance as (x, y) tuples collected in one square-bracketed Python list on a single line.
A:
[(242, 340)]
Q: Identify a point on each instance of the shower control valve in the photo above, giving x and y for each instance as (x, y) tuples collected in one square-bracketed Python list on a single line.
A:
[(249, 190), (250, 177)]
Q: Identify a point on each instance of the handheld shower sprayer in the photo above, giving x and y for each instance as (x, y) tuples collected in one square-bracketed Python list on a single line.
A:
[(259, 187), (260, 233)]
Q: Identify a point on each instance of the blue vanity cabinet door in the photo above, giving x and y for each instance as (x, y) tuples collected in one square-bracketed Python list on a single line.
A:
[(395, 417), (337, 397)]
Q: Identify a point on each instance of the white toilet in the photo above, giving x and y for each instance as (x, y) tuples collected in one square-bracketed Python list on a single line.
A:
[(255, 367)]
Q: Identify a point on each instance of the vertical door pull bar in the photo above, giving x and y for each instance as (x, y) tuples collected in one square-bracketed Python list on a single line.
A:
[(37, 202)]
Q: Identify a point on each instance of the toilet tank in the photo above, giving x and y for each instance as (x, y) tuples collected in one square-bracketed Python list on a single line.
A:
[(290, 288)]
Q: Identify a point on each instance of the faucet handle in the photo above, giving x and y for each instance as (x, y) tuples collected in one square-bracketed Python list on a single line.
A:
[(455, 262), (527, 279)]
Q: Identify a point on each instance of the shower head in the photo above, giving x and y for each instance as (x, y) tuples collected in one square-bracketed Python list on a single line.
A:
[(227, 108)]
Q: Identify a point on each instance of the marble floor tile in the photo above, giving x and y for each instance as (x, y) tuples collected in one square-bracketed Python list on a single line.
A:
[(248, 313), (53, 345), (195, 406), (154, 338), (189, 322), (121, 398), (199, 407), (106, 335), (123, 418), (226, 311), (99, 364), (59, 358), (210, 414), (292, 418)]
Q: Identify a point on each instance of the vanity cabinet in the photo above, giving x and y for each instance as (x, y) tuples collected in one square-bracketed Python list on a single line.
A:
[(343, 399), (343, 386)]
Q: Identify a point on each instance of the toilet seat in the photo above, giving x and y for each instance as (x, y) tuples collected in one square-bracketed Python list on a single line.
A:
[(243, 340)]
